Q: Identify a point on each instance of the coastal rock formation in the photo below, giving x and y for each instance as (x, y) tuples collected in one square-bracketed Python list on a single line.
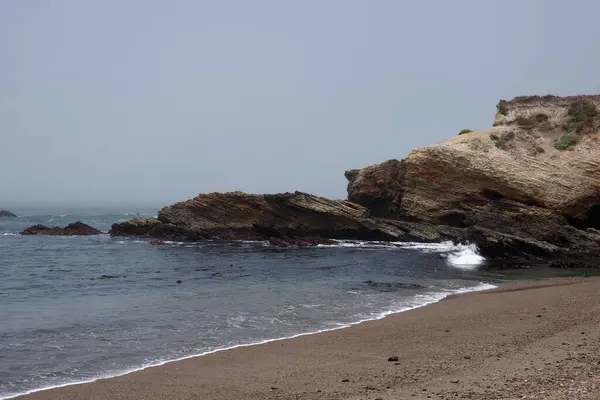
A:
[(6, 214), (531, 184), (74, 229), (287, 219)]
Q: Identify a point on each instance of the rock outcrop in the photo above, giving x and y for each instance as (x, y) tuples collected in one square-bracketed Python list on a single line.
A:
[(287, 219), (7, 214), (529, 185), (74, 229)]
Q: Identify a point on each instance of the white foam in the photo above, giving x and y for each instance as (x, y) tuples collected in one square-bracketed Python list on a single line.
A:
[(419, 301), (10, 234), (427, 247), (465, 258)]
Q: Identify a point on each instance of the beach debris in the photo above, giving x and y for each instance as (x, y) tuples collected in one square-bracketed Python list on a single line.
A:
[(345, 380), (179, 281), (538, 316), (393, 358), (467, 357)]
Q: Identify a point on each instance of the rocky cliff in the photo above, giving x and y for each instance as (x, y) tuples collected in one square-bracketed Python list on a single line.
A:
[(284, 219), (6, 214), (530, 184)]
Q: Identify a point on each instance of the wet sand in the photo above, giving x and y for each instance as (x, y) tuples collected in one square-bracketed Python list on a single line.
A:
[(525, 340)]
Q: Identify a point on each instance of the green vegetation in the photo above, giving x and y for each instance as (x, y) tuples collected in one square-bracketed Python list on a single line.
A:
[(564, 142), (581, 115), (531, 121), (502, 108), (465, 131), (500, 143)]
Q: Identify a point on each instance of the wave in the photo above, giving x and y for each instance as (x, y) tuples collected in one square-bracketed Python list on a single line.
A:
[(367, 244), (465, 258), (416, 302)]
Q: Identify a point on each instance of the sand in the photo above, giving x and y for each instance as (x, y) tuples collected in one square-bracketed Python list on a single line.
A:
[(526, 340)]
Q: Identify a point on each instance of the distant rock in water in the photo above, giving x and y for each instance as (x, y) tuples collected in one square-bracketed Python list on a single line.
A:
[(74, 229), (6, 214)]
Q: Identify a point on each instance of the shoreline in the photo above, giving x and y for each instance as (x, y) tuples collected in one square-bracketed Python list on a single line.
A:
[(481, 287), (503, 340)]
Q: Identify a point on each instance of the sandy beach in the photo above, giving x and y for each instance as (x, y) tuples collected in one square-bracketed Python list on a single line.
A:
[(525, 340)]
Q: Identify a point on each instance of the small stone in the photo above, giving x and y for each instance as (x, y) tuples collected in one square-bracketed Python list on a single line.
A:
[(345, 380), (454, 381), (273, 388), (393, 358), (447, 330), (467, 357), (397, 363), (538, 316), (179, 281)]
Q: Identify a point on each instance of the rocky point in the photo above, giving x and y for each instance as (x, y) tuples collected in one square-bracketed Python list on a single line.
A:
[(527, 187)]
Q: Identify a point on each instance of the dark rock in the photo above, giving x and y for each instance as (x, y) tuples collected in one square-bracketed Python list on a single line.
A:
[(74, 229), (454, 381), (286, 219), (7, 214), (345, 380), (107, 277), (393, 358), (179, 281)]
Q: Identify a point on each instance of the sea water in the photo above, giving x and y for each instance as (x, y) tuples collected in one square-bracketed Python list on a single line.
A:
[(74, 309)]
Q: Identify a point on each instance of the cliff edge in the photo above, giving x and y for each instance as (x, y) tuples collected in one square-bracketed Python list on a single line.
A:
[(530, 184)]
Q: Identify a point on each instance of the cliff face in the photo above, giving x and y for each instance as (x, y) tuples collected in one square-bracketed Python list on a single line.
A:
[(534, 178)]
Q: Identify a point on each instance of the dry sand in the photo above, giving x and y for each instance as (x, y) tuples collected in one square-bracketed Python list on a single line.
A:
[(527, 340)]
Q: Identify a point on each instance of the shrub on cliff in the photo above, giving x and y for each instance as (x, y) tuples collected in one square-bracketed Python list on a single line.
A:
[(465, 131), (500, 143), (581, 115), (564, 142), (531, 121), (502, 108)]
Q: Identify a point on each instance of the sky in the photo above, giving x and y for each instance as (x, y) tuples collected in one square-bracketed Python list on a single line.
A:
[(151, 102)]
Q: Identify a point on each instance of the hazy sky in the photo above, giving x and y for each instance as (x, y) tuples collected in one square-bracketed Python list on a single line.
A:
[(155, 101)]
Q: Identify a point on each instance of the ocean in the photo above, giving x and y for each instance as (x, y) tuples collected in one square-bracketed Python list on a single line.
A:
[(75, 309)]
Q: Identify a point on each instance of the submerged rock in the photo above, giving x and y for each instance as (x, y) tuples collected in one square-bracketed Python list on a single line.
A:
[(7, 214), (74, 229)]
